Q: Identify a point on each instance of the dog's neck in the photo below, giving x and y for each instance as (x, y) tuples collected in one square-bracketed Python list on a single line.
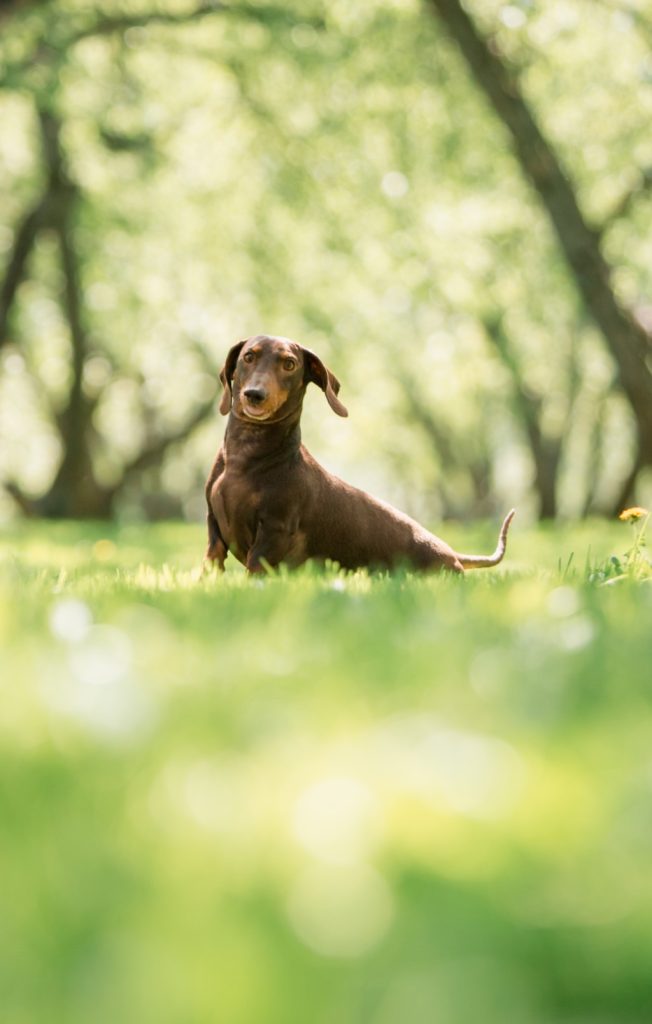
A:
[(247, 443)]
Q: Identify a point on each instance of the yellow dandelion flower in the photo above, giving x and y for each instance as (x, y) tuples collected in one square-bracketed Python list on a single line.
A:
[(630, 514)]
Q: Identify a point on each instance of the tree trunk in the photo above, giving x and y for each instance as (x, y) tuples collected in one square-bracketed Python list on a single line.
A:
[(74, 492), (546, 451), (629, 344)]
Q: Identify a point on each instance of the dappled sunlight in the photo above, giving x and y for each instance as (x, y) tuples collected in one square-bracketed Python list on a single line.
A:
[(337, 820), (94, 683), (340, 910), (469, 774), (70, 620)]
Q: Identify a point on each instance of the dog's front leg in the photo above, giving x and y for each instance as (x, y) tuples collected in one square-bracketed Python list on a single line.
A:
[(217, 549), (271, 546)]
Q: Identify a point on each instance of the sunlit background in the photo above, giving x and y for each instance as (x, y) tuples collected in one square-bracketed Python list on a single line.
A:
[(323, 798), (177, 176)]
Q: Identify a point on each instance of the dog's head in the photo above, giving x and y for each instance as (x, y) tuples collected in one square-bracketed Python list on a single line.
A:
[(265, 379)]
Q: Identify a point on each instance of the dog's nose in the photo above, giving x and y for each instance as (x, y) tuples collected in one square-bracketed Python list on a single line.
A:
[(255, 395)]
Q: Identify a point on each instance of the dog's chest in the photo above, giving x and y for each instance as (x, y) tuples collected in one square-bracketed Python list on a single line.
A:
[(237, 509), (252, 506)]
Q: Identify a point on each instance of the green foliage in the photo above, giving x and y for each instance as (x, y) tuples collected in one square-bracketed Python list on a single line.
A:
[(332, 174), (322, 797)]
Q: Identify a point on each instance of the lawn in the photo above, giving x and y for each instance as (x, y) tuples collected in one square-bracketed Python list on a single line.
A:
[(319, 798)]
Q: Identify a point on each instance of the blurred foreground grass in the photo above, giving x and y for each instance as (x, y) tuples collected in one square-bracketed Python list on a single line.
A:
[(322, 799)]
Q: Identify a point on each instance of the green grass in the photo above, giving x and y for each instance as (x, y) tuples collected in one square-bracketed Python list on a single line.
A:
[(321, 799)]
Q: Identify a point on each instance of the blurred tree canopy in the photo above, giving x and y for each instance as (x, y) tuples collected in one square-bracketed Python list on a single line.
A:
[(175, 175)]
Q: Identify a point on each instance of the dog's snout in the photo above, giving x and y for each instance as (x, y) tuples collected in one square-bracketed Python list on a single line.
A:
[(255, 395)]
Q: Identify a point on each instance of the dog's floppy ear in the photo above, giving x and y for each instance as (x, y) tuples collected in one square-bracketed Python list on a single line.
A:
[(226, 376), (320, 375)]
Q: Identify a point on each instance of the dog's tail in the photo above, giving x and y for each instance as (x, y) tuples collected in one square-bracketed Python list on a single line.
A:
[(483, 561)]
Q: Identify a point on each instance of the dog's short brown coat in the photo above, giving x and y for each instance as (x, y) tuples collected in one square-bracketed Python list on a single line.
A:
[(269, 500)]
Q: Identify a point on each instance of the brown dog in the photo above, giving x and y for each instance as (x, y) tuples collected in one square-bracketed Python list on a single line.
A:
[(270, 502)]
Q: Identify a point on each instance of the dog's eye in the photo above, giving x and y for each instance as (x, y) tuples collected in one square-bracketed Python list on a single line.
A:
[(289, 364), (248, 357)]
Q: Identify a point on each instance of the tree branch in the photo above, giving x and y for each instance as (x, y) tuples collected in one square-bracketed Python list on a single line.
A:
[(121, 23), (475, 464), (25, 504), (269, 14), (54, 42), (546, 450), (529, 403), (153, 452), (438, 435), (624, 205), (24, 239)]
